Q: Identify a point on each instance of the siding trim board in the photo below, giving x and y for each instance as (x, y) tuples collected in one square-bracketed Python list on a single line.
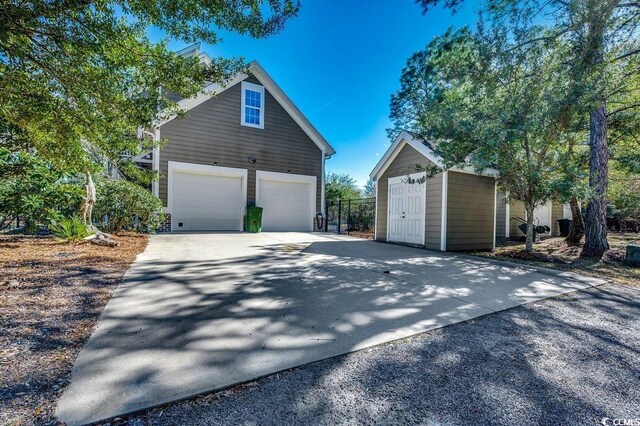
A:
[(495, 210), (443, 223), (155, 163), (507, 219)]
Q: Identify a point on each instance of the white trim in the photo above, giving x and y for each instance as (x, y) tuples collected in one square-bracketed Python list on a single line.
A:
[(443, 219), (274, 90), (375, 215), (406, 138), (176, 166), (507, 213), (155, 185), (289, 177), (254, 88), (322, 183), (388, 208), (392, 154), (495, 210)]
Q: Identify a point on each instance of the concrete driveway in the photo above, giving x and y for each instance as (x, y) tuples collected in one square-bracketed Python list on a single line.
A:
[(199, 312)]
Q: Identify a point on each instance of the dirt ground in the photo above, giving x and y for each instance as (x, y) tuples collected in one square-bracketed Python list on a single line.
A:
[(556, 253), (51, 296)]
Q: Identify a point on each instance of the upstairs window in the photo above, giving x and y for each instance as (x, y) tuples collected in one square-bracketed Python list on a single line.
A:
[(252, 105)]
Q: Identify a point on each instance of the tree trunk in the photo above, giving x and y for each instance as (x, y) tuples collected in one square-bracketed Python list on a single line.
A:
[(577, 228), (596, 227), (529, 239)]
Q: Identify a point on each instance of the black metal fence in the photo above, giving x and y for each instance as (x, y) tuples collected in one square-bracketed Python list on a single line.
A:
[(355, 216)]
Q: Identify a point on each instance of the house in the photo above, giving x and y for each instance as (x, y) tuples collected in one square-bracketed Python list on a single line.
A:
[(548, 215), (246, 144), (453, 210)]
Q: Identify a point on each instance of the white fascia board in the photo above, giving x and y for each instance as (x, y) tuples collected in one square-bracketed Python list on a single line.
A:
[(403, 139), (427, 152), (257, 71)]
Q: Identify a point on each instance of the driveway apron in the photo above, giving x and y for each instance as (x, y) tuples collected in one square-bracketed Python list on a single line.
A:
[(199, 312)]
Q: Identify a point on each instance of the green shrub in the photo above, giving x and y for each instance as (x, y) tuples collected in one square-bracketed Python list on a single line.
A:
[(34, 190), (123, 205), (69, 229)]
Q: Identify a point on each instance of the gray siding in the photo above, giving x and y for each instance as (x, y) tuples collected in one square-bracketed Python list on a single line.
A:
[(404, 164), (211, 132), (470, 204), (433, 222)]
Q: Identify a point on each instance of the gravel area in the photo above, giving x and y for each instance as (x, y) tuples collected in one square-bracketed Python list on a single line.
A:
[(573, 359)]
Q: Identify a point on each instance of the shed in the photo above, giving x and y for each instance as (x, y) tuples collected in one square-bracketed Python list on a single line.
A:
[(455, 210)]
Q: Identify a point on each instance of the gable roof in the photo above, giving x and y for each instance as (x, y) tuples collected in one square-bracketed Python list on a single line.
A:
[(265, 79), (425, 149)]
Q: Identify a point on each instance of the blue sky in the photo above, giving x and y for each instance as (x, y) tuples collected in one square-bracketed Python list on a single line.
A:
[(339, 61)]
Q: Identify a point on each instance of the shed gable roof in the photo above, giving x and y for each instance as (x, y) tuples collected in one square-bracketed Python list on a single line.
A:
[(425, 149)]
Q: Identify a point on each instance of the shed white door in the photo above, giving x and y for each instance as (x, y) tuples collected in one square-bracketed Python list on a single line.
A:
[(288, 201), (406, 210), (206, 202)]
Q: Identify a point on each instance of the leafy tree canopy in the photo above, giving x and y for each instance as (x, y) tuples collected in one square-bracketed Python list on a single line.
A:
[(370, 188), (340, 186), (79, 72), (485, 104)]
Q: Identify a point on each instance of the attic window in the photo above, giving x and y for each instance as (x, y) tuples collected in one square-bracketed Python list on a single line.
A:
[(252, 105)]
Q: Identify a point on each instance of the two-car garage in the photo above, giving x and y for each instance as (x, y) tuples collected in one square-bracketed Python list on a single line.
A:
[(212, 198)]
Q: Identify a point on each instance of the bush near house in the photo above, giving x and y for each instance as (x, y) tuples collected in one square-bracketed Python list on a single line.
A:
[(123, 205), (34, 190)]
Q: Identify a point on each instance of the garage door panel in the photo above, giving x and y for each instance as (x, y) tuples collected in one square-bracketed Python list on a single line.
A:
[(287, 206), (203, 202)]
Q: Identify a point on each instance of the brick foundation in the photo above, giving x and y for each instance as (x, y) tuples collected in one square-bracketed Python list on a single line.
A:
[(165, 225)]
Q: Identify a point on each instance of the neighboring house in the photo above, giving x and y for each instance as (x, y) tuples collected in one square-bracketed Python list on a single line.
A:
[(548, 214), (454, 210), (246, 145)]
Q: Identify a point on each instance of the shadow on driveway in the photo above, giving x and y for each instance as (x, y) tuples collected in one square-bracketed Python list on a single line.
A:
[(202, 312)]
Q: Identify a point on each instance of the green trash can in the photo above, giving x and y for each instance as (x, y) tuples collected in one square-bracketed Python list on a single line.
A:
[(254, 219)]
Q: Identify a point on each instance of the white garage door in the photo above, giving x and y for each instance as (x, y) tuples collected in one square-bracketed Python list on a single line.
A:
[(288, 205), (206, 202)]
